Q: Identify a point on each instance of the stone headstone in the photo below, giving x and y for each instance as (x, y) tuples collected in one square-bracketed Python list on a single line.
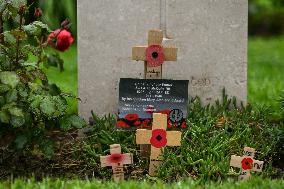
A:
[(211, 36)]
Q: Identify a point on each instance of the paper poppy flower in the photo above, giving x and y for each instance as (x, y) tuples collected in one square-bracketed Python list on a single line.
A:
[(131, 117), (122, 124), (170, 125), (146, 123), (115, 158), (159, 138), (247, 163), (137, 123), (183, 125), (155, 55)]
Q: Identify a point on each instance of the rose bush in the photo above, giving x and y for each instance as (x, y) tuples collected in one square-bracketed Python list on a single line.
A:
[(30, 106)]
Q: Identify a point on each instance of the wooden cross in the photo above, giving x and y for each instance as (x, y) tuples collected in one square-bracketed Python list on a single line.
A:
[(154, 55), (116, 160), (246, 163), (158, 137)]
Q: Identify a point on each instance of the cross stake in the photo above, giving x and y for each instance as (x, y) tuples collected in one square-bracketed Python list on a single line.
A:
[(116, 160), (154, 54), (246, 163), (158, 137)]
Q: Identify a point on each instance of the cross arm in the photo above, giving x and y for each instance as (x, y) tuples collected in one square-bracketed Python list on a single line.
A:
[(127, 158), (139, 53), (173, 138), (143, 136), (170, 53), (104, 162), (236, 161)]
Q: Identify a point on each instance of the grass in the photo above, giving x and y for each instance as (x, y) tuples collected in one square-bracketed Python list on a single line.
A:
[(265, 70), (255, 183)]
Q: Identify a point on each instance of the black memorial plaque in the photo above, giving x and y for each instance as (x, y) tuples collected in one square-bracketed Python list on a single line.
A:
[(140, 98)]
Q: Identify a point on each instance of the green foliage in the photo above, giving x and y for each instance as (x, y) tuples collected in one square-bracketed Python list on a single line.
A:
[(29, 104), (215, 133), (265, 17)]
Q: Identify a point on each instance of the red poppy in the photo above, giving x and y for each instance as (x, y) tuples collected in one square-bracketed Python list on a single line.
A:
[(183, 125), (247, 163), (38, 12), (155, 55), (60, 39), (170, 125), (159, 138), (146, 123), (115, 158), (131, 117), (166, 111), (122, 124), (137, 123)]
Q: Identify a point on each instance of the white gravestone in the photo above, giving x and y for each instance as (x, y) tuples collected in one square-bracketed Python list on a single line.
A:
[(211, 37)]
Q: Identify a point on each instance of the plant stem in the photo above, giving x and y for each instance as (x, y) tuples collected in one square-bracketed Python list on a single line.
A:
[(18, 41), (1, 28)]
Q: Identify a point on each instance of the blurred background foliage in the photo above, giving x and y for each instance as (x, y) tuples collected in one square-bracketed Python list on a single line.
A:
[(266, 17), (55, 11)]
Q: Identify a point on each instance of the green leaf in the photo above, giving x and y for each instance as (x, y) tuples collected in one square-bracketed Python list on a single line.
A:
[(20, 142), (17, 121), (19, 34), (9, 78), (37, 28), (47, 147), (15, 111), (4, 117), (4, 88), (54, 60), (9, 38), (73, 121), (54, 90), (47, 106), (11, 96)]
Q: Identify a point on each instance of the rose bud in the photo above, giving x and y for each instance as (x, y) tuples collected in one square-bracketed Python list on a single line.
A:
[(38, 12), (65, 24), (60, 39)]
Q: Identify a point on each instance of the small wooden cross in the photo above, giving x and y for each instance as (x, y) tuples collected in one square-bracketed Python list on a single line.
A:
[(158, 137), (116, 160), (246, 163), (154, 54)]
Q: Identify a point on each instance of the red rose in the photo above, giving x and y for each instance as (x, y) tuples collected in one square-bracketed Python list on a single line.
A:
[(247, 163), (131, 117), (60, 39), (155, 55), (115, 158), (122, 124), (159, 138)]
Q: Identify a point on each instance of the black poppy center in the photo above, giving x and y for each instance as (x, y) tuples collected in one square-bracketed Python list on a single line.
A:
[(159, 138), (155, 55), (247, 163)]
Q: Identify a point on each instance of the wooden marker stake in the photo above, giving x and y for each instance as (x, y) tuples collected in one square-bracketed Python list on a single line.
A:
[(116, 160), (153, 56), (246, 163), (158, 137)]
